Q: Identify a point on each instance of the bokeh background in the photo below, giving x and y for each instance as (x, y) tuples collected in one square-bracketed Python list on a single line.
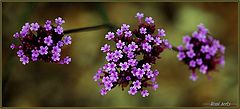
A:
[(44, 84)]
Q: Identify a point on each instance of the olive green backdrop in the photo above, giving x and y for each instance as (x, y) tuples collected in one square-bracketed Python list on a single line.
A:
[(44, 84)]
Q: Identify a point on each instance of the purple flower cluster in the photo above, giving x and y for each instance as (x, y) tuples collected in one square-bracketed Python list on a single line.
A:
[(201, 52), (131, 61), (42, 43)]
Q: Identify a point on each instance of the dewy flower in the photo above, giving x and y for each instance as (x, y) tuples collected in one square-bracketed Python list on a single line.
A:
[(42, 43), (123, 68), (201, 52)]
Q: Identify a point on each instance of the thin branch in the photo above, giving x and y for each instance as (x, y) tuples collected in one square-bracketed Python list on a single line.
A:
[(109, 26), (174, 48)]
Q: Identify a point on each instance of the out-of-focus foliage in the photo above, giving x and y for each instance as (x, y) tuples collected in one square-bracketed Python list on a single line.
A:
[(43, 84)]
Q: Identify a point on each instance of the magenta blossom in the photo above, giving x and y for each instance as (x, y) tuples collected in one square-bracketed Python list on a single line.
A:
[(124, 68), (201, 52), (42, 43)]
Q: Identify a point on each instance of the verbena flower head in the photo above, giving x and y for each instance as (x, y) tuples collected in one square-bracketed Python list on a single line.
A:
[(201, 52), (42, 43), (129, 62)]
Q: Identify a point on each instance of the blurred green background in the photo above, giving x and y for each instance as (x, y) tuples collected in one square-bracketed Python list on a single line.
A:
[(44, 84)]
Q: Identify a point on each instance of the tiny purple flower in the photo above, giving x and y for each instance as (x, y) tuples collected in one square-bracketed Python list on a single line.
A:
[(56, 50), (59, 30), (34, 27), (143, 30), (103, 91), (118, 54), (148, 37), (125, 27), (146, 47), (67, 40), (108, 86), (43, 50), (128, 33), (150, 74), (109, 56), (119, 32), (191, 54), (56, 57), (222, 61), (35, 53), (207, 56), (12, 46), (212, 50), (146, 67), (133, 46), (139, 16), (114, 77), (161, 32), (48, 27), (193, 76), (111, 66), (67, 60), (124, 66), (59, 21), (120, 44), (105, 48), (189, 46), (126, 49), (34, 59), (156, 72), (203, 69), (192, 63), (24, 33), (202, 29), (205, 49), (158, 41), (20, 53), (137, 84), (16, 35), (105, 79), (149, 20), (144, 93), (48, 40), (167, 44), (134, 71), (155, 86), (132, 91), (109, 36), (140, 73), (199, 61), (130, 55), (49, 22), (186, 39), (196, 35), (96, 77), (180, 48), (60, 44), (100, 71), (222, 49), (128, 78), (24, 59), (132, 62), (153, 80), (27, 26)]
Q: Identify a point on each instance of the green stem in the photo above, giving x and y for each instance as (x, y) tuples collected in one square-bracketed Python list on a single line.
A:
[(174, 48), (109, 26)]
